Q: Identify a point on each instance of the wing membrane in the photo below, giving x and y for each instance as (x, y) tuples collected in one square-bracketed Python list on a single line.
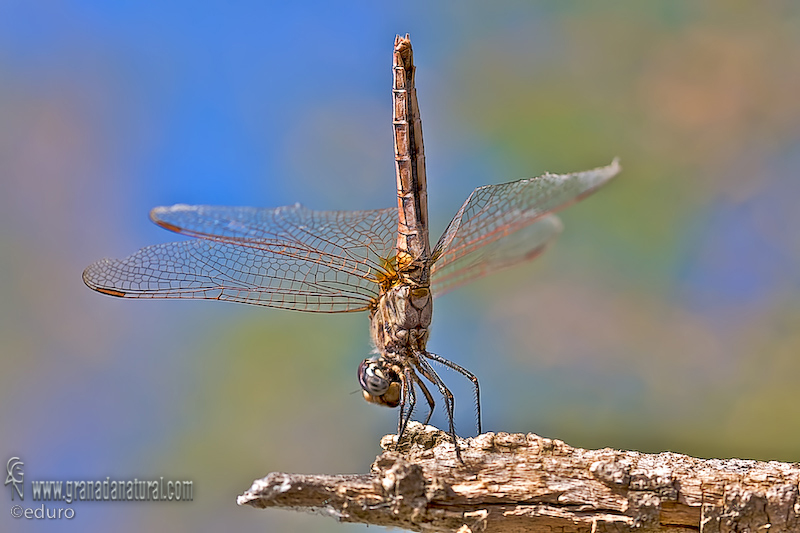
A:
[(522, 245), (497, 212), (363, 237), (290, 258)]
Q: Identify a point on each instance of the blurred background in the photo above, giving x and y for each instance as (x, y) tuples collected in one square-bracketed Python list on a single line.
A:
[(665, 318)]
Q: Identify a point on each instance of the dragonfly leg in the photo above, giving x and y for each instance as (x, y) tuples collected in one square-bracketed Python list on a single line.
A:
[(428, 398), (464, 372), (408, 392), (449, 401)]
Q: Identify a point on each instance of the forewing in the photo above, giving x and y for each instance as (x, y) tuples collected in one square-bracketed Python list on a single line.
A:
[(495, 212), (289, 258), (364, 238), (522, 245)]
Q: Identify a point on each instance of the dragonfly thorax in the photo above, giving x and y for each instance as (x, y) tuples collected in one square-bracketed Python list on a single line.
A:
[(400, 319)]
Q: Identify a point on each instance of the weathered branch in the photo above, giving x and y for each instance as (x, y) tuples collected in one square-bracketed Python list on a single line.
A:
[(517, 483)]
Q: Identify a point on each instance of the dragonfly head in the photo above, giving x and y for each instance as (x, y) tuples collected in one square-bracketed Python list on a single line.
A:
[(380, 383)]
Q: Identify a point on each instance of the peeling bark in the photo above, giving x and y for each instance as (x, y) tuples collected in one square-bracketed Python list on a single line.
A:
[(518, 483)]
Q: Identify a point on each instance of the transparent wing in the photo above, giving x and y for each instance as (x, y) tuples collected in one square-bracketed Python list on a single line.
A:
[(522, 245), (289, 257), (493, 213), (364, 238)]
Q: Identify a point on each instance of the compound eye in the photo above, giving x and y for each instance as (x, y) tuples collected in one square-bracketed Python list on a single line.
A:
[(371, 378)]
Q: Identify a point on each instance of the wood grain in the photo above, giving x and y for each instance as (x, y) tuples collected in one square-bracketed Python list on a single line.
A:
[(522, 483)]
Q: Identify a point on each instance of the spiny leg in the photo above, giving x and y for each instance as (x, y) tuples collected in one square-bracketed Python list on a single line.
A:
[(464, 372), (428, 398), (403, 397), (449, 401), (407, 392)]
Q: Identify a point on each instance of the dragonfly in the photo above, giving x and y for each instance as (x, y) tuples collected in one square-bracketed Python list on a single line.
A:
[(379, 261)]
